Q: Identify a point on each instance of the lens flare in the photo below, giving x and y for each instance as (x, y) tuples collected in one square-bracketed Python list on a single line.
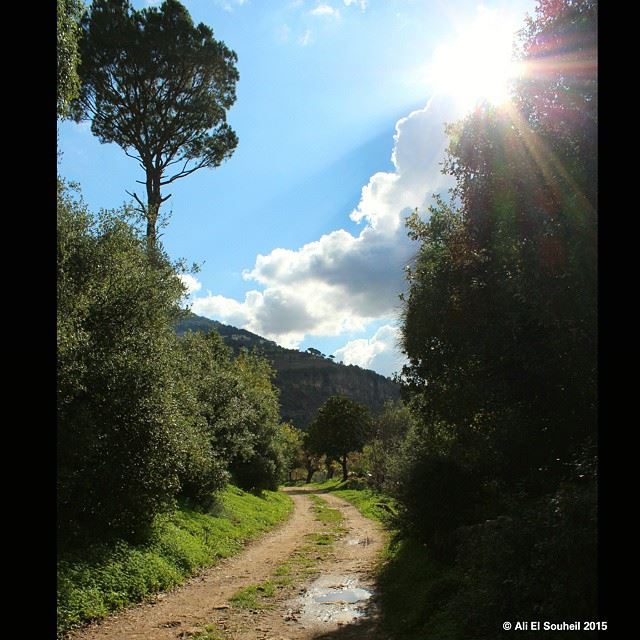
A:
[(478, 64)]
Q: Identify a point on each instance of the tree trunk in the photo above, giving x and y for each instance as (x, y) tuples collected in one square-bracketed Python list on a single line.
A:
[(344, 468), (154, 200), (151, 230)]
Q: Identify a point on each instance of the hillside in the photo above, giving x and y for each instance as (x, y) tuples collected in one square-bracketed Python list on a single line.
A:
[(305, 380)]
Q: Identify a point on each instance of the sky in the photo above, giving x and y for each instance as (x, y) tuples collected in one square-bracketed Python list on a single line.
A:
[(340, 114)]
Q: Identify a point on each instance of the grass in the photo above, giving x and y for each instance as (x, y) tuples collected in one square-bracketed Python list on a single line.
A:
[(371, 504), (208, 633), (253, 596), (106, 578), (414, 589)]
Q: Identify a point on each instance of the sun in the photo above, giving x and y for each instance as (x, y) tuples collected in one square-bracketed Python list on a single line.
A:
[(478, 63)]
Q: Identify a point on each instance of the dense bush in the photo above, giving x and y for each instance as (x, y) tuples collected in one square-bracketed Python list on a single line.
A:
[(388, 431), (262, 464), (145, 417), (119, 431)]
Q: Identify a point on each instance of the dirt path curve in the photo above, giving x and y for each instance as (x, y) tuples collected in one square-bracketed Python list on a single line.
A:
[(204, 599), (193, 603), (353, 557)]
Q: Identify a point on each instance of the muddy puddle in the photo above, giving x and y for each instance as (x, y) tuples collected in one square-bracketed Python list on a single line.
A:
[(332, 599)]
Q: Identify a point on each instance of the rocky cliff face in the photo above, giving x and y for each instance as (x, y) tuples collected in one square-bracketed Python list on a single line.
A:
[(305, 380)]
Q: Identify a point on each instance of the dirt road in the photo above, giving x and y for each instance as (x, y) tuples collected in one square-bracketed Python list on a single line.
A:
[(318, 602)]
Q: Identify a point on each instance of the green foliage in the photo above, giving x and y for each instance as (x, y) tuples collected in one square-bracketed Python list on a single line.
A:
[(207, 394), (262, 466), (542, 560), (235, 406), (159, 87), (414, 592), (310, 459), (290, 442), (500, 328), (119, 431), (69, 13), (105, 578), (500, 319), (144, 416), (341, 427), (388, 432)]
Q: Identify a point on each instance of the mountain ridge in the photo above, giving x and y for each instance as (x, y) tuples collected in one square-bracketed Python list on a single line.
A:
[(305, 379)]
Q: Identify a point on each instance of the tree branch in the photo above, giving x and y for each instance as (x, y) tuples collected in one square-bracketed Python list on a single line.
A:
[(135, 195)]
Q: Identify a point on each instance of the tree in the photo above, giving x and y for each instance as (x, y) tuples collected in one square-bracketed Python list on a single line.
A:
[(69, 13), (310, 459), (159, 87), (499, 472), (341, 427), (290, 442), (388, 430), (120, 432), (205, 388), (235, 405), (256, 407)]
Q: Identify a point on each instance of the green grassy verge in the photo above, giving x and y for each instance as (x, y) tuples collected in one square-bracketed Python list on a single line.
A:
[(371, 504), (104, 579), (414, 589)]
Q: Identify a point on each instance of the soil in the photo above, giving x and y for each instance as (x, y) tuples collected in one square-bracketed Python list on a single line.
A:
[(204, 599)]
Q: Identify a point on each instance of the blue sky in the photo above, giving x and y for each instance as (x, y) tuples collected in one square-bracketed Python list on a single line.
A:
[(339, 118)]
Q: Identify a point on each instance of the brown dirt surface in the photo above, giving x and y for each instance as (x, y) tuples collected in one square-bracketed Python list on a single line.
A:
[(204, 600)]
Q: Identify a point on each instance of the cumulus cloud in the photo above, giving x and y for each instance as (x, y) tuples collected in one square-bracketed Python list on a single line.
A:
[(342, 282), (380, 352), (325, 10), (191, 283)]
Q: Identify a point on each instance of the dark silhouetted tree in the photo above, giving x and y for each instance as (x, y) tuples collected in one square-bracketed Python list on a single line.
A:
[(159, 87), (341, 427)]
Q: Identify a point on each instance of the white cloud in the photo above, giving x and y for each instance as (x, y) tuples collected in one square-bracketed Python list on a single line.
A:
[(360, 3), (224, 309), (342, 282), (380, 352), (325, 10), (191, 283)]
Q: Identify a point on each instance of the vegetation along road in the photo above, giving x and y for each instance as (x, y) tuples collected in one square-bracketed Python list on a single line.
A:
[(312, 577)]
